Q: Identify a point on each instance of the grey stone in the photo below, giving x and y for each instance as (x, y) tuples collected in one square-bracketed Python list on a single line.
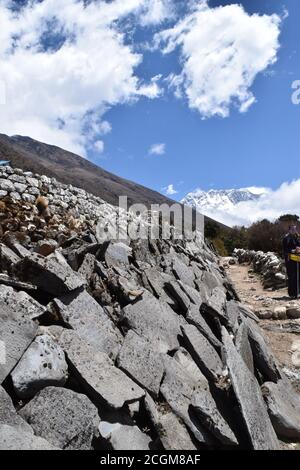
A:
[(3, 194), (173, 433), (42, 365), (97, 373), (7, 257), (203, 353), (16, 334), (81, 312), (293, 312), (139, 359), (6, 185), (194, 316), (215, 304), (117, 254), (206, 408), (9, 415), (68, 420), (32, 181), (175, 291), (243, 346), (87, 266), (210, 280), (177, 389), (51, 274), (171, 430), (262, 354), (192, 293), (21, 301), (155, 320), (183, 272), (20, 187), (129, 438), (157, 281), (15, 196), (28, 198), (15, 283), (284, 408), (13, 438), (249, 396)]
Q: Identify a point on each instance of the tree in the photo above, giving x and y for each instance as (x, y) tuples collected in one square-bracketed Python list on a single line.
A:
[(289, 218), (212, 230)]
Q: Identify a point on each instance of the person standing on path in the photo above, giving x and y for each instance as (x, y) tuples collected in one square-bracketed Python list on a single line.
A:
[(291, 244)]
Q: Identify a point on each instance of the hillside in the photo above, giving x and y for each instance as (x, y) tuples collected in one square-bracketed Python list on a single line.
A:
[(31, 155)]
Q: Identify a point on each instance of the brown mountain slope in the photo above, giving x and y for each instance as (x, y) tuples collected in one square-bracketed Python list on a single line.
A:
[(32, 155)]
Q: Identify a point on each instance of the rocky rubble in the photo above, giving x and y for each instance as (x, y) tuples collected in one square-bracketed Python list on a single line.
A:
[(132, 344), (268, 265)]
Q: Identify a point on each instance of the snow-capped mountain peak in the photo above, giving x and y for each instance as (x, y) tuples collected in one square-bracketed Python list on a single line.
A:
[(206, 201)]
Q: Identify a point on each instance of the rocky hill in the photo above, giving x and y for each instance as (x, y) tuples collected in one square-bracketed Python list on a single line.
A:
[(124, 344), (68, 168)]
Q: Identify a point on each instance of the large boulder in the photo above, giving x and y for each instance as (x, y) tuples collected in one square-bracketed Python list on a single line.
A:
[(97, 373), (284, 408), (52, 274), (139, 359), (155, 320), (203, 352), (42, 365), (16, 334), (66, 419), (12, 438), (81, 312), (247, 391)]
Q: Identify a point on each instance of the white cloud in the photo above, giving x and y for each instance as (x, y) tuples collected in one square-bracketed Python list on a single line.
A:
[(157, 149), (271, 205), (59, 94), (99, 146), (170, 190), (156, 11), (222, 50)]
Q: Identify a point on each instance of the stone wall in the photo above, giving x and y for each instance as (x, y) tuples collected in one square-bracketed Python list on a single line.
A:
[(268, 265)]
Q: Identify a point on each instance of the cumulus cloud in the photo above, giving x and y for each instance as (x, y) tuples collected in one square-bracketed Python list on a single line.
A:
[(222, 51), (170, 190), (270, 205), (157, 149), (65, 63)]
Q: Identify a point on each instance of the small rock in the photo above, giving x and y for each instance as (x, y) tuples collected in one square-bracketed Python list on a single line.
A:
[(293, 312)]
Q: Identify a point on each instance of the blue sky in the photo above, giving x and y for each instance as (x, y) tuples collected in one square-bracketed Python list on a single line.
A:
[(258, 148), (94, 77)]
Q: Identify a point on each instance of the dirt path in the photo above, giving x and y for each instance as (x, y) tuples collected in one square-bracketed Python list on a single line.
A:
[(286, 346)]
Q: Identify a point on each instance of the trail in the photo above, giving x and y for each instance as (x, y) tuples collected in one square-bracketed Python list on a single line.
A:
[(285, 345)]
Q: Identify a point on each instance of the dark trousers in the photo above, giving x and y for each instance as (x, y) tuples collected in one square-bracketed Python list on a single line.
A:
[(291, 268)]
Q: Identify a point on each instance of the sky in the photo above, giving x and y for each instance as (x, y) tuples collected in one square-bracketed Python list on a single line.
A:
[(175, 95)]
